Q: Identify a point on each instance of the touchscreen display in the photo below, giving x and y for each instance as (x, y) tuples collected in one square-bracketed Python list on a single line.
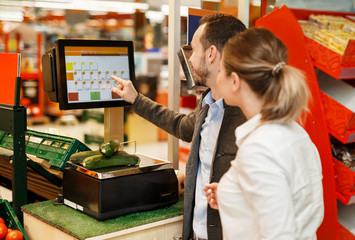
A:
[(88, 71)]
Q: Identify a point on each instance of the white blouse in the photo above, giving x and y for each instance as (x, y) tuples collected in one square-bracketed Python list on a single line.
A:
[(273, 189)]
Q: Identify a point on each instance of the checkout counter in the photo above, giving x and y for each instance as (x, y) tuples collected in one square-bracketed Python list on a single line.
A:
[(43, 221), (148, 187)]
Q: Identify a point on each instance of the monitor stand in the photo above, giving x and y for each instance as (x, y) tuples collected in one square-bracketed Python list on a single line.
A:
[(113, 123)]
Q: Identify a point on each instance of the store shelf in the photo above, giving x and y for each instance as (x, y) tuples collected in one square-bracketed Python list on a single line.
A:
[(344, 234), (339, 108), (334, 64), (280, 21), (27, 76), (344, 182)]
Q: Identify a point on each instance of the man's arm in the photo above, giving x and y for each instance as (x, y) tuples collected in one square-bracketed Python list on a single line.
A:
[(177, 124)]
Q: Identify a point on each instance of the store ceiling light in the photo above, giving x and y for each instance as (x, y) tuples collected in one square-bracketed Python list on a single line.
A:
[(8, 13), (154, 16), (90, 5), (183, 10)]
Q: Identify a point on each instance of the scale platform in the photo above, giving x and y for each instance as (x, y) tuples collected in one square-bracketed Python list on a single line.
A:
[(147, 164), (111, 192)]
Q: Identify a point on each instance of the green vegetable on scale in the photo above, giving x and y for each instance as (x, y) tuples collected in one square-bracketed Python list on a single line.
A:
[(80, 156), (120, 158), (109, 148)]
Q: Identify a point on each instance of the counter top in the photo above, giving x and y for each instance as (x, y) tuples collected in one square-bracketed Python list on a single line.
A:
[(82, 226)]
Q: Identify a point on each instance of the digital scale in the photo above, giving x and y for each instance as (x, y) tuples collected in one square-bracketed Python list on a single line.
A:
[(111, 192)]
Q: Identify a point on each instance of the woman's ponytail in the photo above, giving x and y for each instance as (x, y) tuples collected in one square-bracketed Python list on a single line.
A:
[(260, 59), (286, 97)]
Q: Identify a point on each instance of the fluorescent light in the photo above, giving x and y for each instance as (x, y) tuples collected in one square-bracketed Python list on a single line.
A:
[(97, 13), (11, 13), (15, 17), (90, 5), (154, 16), (183, 10)]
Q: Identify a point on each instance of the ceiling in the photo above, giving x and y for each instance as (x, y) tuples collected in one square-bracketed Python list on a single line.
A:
[(12, 9)]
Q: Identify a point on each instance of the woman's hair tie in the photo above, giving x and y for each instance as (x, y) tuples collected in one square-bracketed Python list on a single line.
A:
[(277, 68)]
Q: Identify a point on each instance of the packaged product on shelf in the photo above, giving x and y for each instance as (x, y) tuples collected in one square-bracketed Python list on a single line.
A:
[(349, 28), (309, 28), (336, 40), (328, 21), (345, 153), (334, 32)]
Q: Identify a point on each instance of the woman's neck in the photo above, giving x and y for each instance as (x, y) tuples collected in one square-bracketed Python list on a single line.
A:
[(250, 103)]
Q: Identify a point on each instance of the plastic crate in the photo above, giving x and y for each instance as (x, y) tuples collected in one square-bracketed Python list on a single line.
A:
[(96, 115), (55, 149), (93, 139), (10, 218)]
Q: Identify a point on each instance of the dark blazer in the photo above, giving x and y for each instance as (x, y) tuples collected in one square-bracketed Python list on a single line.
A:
[(187, 128)]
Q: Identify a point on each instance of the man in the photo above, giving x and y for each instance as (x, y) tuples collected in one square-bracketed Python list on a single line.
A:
[(210, 128)]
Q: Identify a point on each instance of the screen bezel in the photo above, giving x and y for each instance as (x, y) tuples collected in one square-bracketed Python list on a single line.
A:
[(61, 71)]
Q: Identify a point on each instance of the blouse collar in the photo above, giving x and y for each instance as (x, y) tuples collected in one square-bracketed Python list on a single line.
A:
[(246, 128)]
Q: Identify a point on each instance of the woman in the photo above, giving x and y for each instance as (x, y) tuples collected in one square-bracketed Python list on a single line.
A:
[(273, 189)]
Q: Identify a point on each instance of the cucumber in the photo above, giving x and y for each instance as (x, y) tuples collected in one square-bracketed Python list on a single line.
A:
[(109, 148), (120, 158), (80, 156)]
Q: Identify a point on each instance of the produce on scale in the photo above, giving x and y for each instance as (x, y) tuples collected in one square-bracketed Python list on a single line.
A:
[(109, 148), (108, 155)]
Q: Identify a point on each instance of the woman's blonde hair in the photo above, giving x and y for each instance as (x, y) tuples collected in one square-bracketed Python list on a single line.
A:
[(259, 58)]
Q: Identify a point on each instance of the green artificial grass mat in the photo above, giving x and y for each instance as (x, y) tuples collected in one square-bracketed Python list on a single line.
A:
[(83, 226)]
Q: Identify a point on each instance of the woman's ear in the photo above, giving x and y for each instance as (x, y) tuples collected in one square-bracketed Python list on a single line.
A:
[(236, 81)]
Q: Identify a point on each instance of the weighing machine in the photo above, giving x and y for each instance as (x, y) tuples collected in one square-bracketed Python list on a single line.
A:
[(77, 74), (111, 192)]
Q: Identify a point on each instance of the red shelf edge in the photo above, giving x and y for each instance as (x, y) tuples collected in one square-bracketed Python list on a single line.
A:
[(26, 76), (344, 234), (343, 199), (343, 138)]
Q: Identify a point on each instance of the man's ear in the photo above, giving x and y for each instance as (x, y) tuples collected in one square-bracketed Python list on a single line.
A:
[(212, 54)]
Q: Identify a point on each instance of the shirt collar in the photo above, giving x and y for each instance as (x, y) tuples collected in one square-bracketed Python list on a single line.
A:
[(246, 128), (209, 100)]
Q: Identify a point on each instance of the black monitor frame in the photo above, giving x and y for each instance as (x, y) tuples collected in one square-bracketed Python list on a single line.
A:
[(61, 77)]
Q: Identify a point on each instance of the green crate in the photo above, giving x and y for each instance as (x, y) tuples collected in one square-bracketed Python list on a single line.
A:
[(53, 148), (10, 218), (96, 115), (93, 139)]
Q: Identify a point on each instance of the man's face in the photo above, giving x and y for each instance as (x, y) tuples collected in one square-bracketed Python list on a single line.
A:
[(198, 59)]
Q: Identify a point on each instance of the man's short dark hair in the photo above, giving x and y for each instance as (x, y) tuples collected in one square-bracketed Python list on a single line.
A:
[(219, 28)]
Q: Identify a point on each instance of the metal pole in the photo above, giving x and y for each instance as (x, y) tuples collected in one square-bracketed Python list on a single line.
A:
[(174, 77), (243, 11), (19, 162), (19, 174), (18, 84)]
